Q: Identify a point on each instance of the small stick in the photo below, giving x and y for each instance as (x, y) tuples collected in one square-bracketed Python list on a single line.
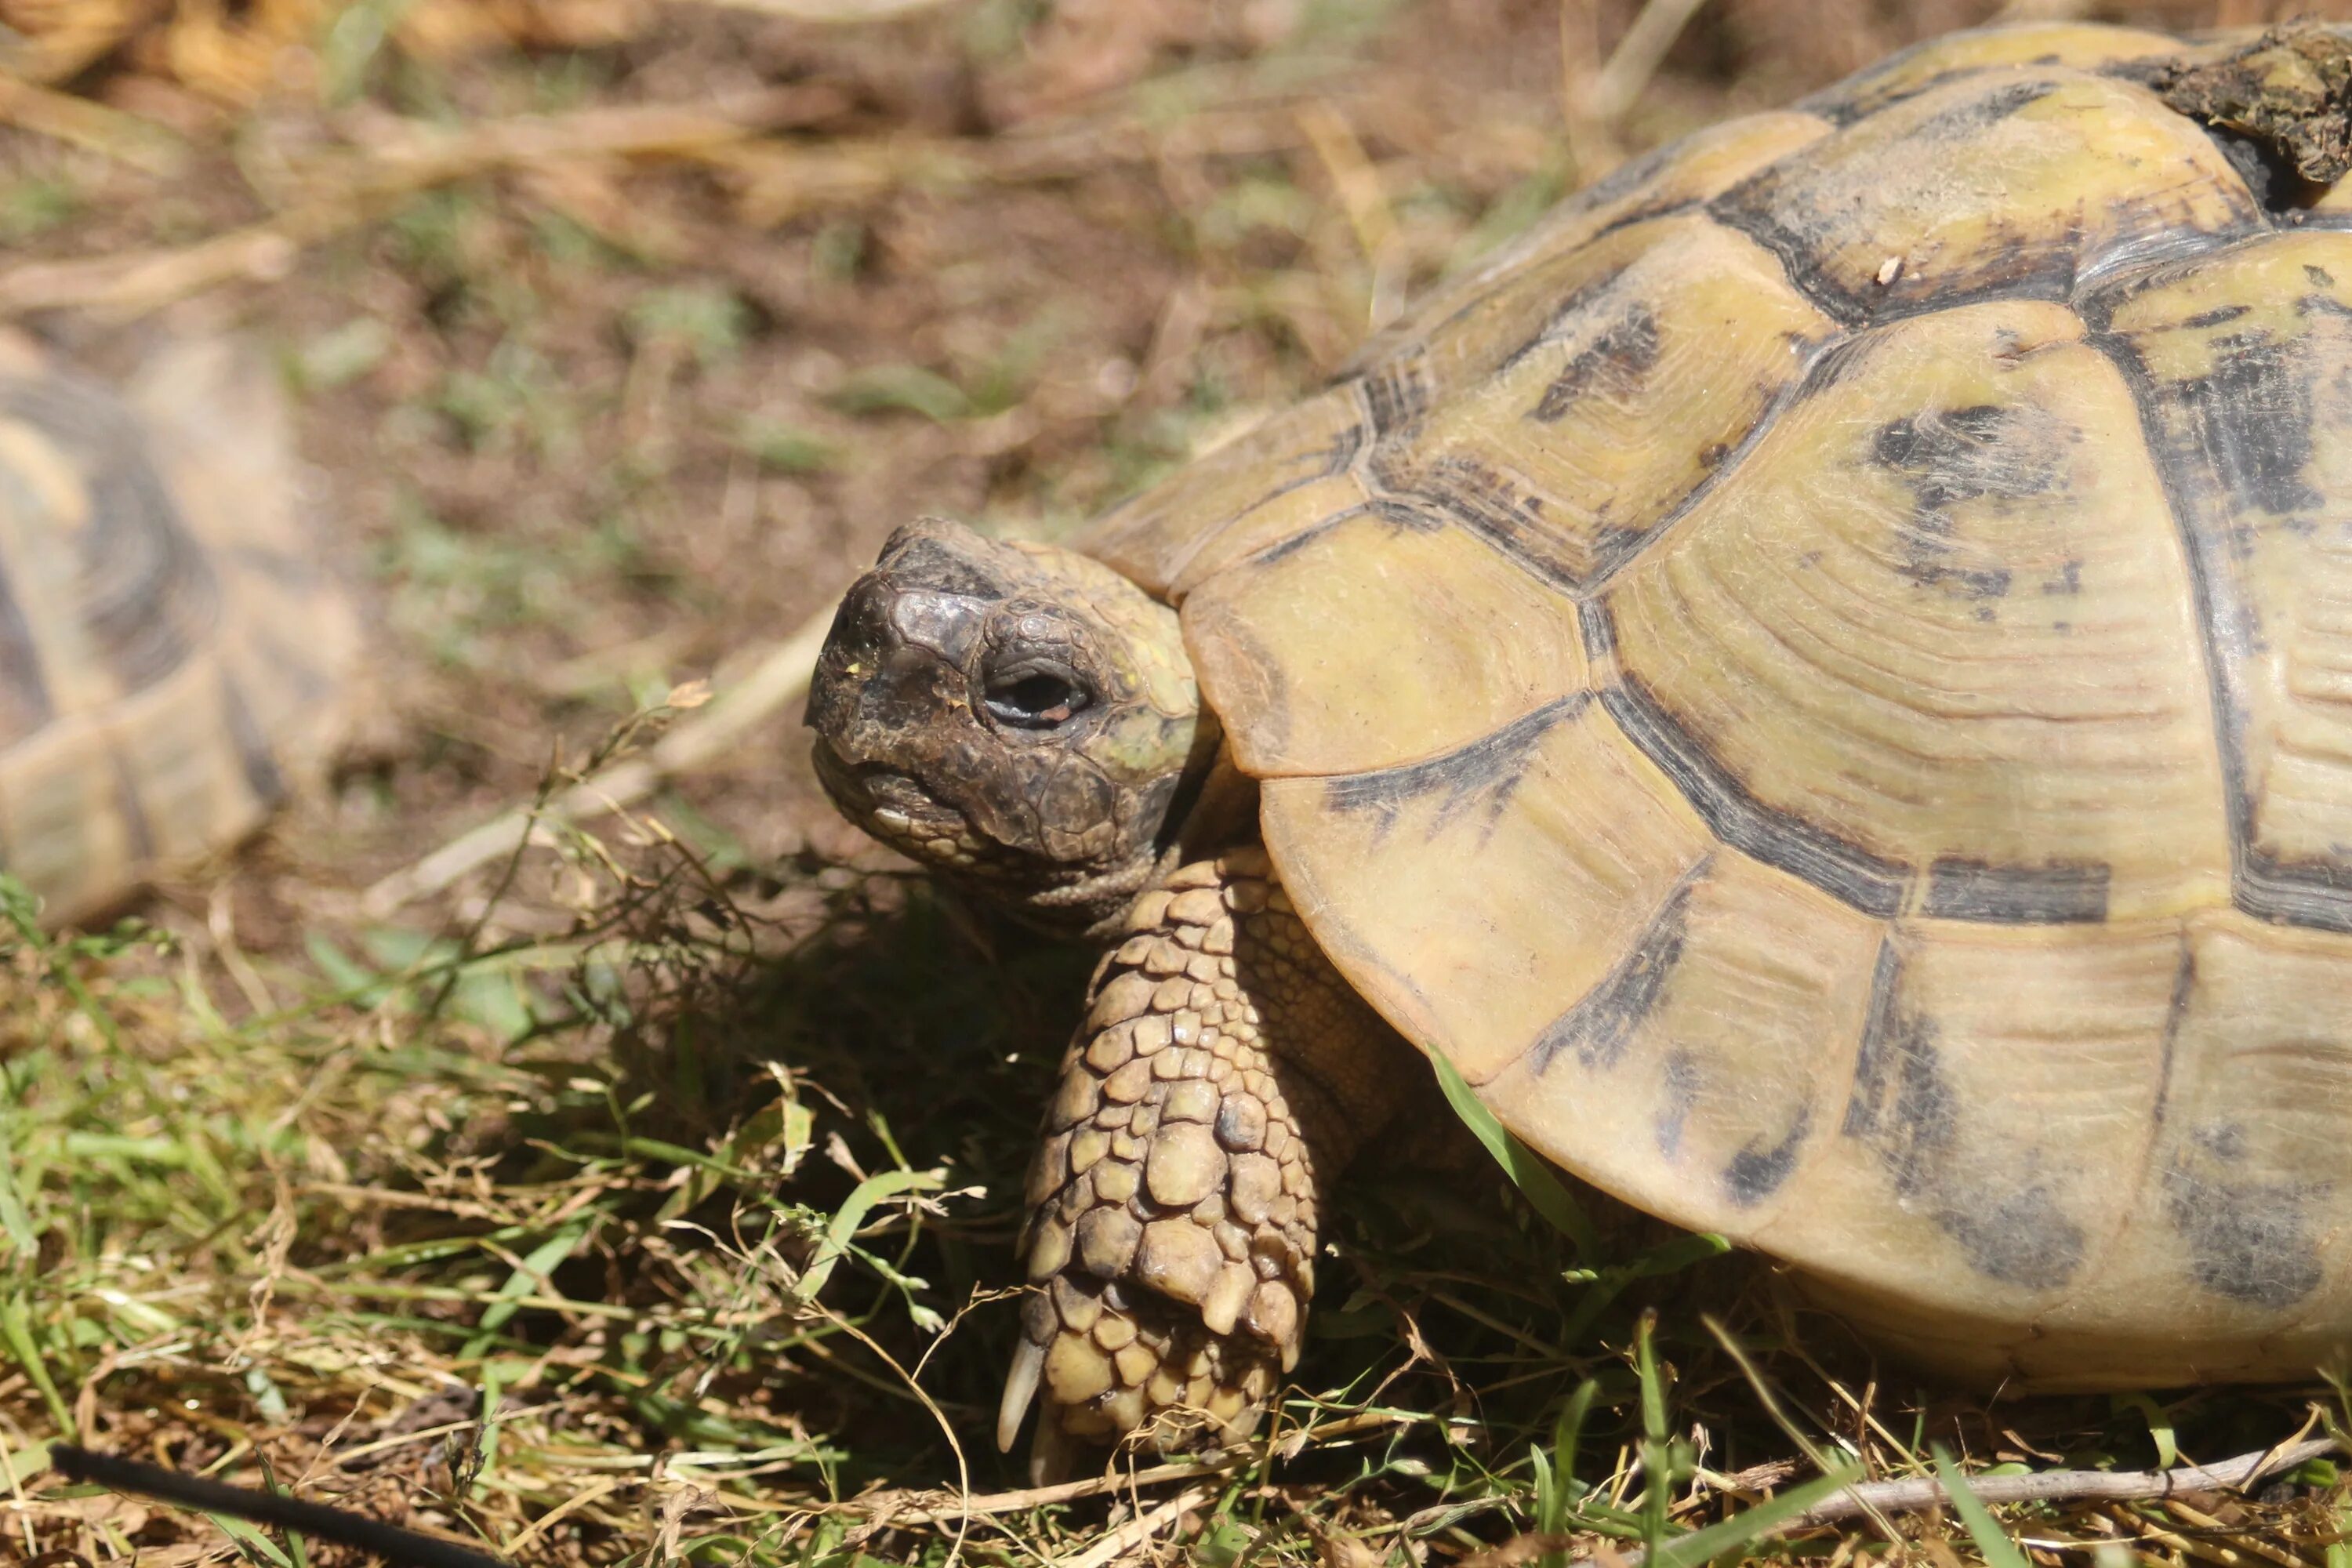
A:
[(410, 1548), (2067, 1485), (1913, 1495)]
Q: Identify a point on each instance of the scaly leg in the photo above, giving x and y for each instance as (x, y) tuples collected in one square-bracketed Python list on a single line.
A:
[(1225, 1070)]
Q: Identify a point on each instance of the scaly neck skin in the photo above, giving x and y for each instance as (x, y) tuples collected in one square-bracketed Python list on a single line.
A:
[(1018, 717)]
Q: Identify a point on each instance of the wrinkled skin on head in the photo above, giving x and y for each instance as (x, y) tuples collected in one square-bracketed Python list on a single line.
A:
[(1019, 718)]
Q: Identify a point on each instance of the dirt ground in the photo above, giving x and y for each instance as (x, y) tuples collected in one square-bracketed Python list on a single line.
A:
[(620, 334)]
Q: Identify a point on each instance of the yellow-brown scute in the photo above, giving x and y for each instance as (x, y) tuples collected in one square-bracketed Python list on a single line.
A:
[(1822, 681)]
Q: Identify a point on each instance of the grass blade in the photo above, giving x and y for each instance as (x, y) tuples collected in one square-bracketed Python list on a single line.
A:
[(1526, 1168), (1999, 1551), (1741, 1529)]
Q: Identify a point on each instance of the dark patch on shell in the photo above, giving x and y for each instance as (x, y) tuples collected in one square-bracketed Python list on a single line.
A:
[(1603, 1023), (25, 701), (2249, 1241), (1950, 456), (2234, 445), (261, 773), (2060, 892), (1396, 393), (1902, 1106), (1481, 774), (1757, 1170), (2219, 314), (1612, 366), (1678, 1081), (2314, 893), (1792, 844), (2252, 419), (1790, 210), (1491, 506)]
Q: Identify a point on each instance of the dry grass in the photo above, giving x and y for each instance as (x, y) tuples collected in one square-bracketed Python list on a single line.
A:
[(650, 1196)]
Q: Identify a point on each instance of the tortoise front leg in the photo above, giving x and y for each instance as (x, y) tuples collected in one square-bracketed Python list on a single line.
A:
[(1224, 1071)]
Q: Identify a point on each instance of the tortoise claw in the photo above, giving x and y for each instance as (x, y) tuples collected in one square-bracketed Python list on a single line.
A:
[(1019, 1389)]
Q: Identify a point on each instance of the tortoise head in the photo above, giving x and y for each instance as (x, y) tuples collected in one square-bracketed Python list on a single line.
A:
[(1017, 717)]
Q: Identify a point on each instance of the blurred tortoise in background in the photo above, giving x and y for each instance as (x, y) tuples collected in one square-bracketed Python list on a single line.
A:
[(1820, 682), (170, 653)]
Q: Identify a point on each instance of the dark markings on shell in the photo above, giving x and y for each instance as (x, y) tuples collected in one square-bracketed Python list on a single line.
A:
[(2249, 1241), (2057, 893), (260, 769), (1613, 366), (1401, 514), (1964, 120), (1757, 1170), (1678, 1082), (1737, 209), (2316, 893), (2218, 315), (1559, 322), (2195, 430), (1791, 844), (2251, 421), (145, 592), (1481, 775), (1603, 1023), (1845, 103), (1616, 546), (1781, 209), (1950, 456), (1899, 1096), (134, 816), (1396, 393), (2021, 1237), (25, 701), (2176, 1014), (2008, 1224), (1489, 505)]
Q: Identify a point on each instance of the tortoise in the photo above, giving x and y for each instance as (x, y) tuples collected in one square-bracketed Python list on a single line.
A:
[(1819, 681), (171, 648)]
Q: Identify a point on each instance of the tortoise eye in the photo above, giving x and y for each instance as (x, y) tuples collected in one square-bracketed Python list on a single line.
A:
[(1034, 694)]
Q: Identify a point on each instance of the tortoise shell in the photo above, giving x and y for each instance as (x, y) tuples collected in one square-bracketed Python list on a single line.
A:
[(170, 653), (1821, 682)]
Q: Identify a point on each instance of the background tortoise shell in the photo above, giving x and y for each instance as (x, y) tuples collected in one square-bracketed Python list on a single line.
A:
[(170, 652), (1822, 681)]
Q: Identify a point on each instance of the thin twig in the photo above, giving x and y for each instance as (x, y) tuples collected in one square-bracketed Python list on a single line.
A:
[(1916, 1494), (2068, 1485)]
